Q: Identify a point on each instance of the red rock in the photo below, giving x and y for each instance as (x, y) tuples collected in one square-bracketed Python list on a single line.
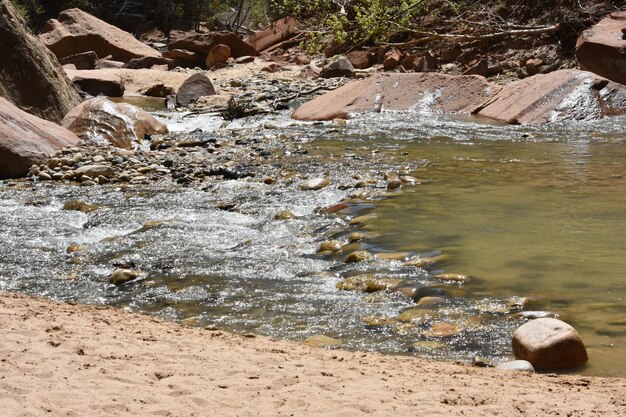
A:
[(339, 67), (411, 91), (81, 61), (203, 42), (218, 54), (360, 59), (149, 62), (100, 120), (97, 82), (194, 87), (277, 32), (533, 66), (392, 59), (602, 48), (302, 59), (184, 56), (26, 140), (549, 344), (560, 95), (76, 31), (479, 68), (159, 90)]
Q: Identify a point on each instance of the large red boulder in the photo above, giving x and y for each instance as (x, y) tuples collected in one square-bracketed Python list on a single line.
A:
[(76, 31), (202, 43), (26, 140), (560, 95), (277, 32), (602, 48), (194, 87), (97, 82), (396, 91)]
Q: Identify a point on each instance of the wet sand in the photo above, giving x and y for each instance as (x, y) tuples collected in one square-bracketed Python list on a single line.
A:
[(73, 360)]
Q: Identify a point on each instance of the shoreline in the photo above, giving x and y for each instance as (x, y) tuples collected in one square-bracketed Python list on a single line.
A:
[(72, 360)]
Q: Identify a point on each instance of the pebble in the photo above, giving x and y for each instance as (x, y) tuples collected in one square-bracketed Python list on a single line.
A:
[(329, 246), (428, 261), (315, 184), (358, 256), (367, 283), (517, 366), (121, 276), (442, 329), (284, 215)]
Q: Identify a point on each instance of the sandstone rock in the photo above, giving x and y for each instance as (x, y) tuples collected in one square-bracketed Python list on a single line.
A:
[(392, 59), (315, 184), (218, 55), (340, 67), (602, 48), (560, 95), (100, 120), (203, 42), (330, 246), (276, 32), (321, 341), (107, 63), (302, 59), (442, 329), (358, 256), (82, 61), (479, 68), (159, 90), (360, 59), (194, 59), (150, 62), (518, 366), (367, 283), (122, 276), (76, 31), (196, 86), (391, 91), (548, 344), (30, 76), (26, 140), (94, 171), (97, 82), (284, 215)]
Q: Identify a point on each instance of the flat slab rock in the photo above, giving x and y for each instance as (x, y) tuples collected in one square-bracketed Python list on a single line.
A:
[(276, 32), (97, 82), (561, 95), (391, 91), (602, 48), (26, 140)]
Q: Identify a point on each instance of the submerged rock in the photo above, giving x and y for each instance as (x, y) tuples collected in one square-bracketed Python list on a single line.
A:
[(602, 48), (548, 344), (100, 120), (76, 31), (27, 140), (122, 276), (367, 283)]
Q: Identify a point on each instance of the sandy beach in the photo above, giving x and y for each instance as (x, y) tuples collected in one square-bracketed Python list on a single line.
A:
[(73, 360)]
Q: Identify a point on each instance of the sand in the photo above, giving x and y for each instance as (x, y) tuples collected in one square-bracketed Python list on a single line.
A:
[(73, 360)]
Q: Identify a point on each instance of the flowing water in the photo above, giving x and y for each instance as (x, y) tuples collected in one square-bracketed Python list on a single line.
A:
[(528, 212)]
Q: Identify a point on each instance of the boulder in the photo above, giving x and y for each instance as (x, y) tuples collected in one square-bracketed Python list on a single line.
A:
[(30, 76), (202, 43), (339, 67), (276, 32), (185, 57), (159, 90), (149, 62), (100, 120), (560, 95), (218, 55), (81, 61), (548, 344), (395, 91), (26, 140), (392, 59), (602, 48), (76, 31), (360, 59), (97, 82), (196, 86)]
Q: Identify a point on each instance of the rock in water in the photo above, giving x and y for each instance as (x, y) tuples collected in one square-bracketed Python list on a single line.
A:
[(602, 48), (30, 76), (122, 276), (194, 87), (549, 344), (27, 140), (100, 120), (76, 31)]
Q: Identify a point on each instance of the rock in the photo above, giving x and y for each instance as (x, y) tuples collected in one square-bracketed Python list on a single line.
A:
[(548, 344), (302, 59), (339, 67), (202, 43), (321, 341), (427, 261), (122, 276), (560, 95), (442, 329), (107, 63), (218, 55), (30, 76), (360, 59), (431, 301), (102, 121), (417, 315), (184, 56), (82, 61), (533, 66), (358, 256), (602, 48), (479, 68), (284, 215), (151, 62), (196, 86), (394, 91), (367, 283), (76, 31), (27, 140), (96, 82), (277, 32), (392, 59), (78, 205), (94, 171), (452, 277), (159, 90), (393, 256), (315, 184), (330, 246), (519, 366)]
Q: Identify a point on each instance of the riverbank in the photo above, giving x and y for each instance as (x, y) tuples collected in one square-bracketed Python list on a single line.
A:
[(72, 360)]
